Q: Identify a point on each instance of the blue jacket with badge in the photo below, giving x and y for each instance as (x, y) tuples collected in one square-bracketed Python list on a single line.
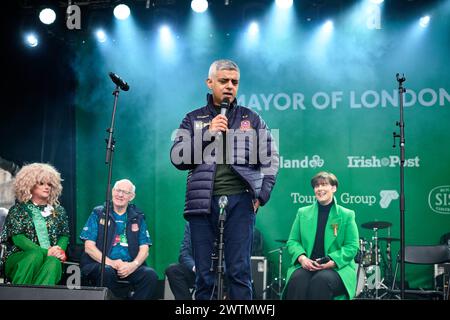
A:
[(134, 217), (254, 154)]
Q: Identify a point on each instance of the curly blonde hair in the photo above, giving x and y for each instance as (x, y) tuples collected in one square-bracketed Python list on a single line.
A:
[(35, 173)]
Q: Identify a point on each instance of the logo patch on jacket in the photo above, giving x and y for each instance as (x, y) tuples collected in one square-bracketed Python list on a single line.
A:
[(199, 125), (245, 125), (102, 222), (134, 227)]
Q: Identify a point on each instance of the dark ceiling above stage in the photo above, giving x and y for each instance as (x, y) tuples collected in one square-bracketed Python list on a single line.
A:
[(311, 8), (228, 15), (149, 4)]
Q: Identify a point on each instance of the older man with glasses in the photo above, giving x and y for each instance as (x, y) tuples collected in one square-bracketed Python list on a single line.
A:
[(127, 245)]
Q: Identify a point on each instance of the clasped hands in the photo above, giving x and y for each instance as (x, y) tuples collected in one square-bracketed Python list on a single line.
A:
[(123, 268), (313, 265), (57, 252)]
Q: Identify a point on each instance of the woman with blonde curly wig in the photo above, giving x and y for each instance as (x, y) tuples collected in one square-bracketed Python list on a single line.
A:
[(36, 229)]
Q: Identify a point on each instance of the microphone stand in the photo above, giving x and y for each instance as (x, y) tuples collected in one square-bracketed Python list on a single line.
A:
[(220, 265), (401, 125), (110, 142)]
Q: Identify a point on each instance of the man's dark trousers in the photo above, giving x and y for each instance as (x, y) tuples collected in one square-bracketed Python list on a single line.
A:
[(238, 237)]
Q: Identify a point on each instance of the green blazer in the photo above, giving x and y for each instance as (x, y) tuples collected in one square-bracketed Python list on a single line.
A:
[(342, 247)]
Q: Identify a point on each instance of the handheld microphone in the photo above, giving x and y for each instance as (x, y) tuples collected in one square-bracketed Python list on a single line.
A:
[(224, 105), (119, 82)]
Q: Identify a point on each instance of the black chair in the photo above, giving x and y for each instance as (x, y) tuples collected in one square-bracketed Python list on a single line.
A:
[(2, 269), (3, 214), (423, 255), (443, 279), (445, 239)]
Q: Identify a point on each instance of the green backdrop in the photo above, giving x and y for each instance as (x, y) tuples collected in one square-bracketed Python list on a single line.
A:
[(333, 100)]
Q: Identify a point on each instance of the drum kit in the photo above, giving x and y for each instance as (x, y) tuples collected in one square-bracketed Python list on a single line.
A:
[(275, 288), (371, 261)]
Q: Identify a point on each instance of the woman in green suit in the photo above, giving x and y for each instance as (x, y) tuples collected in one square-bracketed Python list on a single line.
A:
[(36, 229), (323, 244)]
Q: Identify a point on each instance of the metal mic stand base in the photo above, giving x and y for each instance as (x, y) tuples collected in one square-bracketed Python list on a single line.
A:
[(220, 260)]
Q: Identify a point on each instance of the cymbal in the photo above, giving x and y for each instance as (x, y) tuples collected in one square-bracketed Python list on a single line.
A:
[(388, 239), (376, 225), (282, 241)]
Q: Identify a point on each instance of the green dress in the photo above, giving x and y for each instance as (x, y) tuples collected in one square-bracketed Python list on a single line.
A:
[(26, 260)]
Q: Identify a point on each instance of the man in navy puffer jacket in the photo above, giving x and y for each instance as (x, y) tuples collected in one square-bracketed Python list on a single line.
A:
[(228, 154)]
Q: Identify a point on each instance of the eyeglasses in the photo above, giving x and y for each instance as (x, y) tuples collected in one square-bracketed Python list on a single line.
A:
[(122, 191)]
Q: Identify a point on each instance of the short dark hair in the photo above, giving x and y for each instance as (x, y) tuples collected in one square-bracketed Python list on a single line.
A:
[(327, 176)]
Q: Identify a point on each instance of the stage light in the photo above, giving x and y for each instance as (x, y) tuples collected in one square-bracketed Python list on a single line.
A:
[(328, 26), (166, 42), (377, 1), (284, 4), (101, 35), (199, 6), (121, 11), (424, 21), (47, 16), (165, 32), (31, 40), (253, 29)]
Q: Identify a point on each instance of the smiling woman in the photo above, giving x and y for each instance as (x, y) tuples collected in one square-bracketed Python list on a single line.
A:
[(323, 243), (325, 185)]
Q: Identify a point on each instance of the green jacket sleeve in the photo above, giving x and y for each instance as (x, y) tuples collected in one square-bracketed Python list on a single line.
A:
[(63, 241), (26, 244), (294, 246)]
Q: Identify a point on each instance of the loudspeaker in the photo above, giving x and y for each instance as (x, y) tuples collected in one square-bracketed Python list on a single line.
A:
[(259, 277), (26, 292)]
